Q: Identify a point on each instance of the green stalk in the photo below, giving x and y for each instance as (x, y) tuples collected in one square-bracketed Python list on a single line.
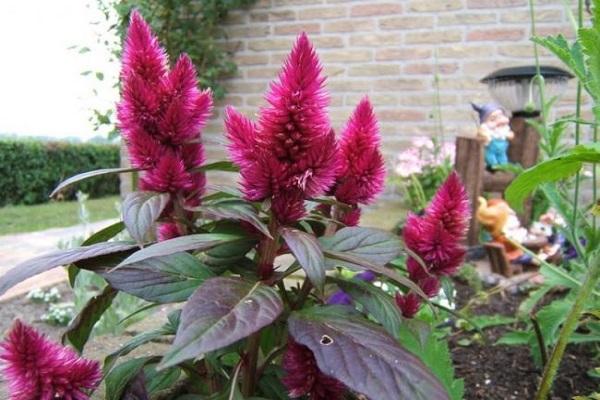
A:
[(577, 133), (568, 328)]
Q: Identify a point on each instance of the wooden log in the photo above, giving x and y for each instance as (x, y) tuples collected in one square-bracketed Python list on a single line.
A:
[(470, 165)]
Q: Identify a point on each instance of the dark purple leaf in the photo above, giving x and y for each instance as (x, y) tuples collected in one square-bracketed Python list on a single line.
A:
[(221, 312), (79, 330), (55, 259), (87, 175), (201, 241), (166, 279), (102, 235), (140, 212), (363, 356), (374, 245), (236, 210), (307, 251)]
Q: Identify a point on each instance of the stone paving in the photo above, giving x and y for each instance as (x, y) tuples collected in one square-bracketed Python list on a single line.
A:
[(15, 249)]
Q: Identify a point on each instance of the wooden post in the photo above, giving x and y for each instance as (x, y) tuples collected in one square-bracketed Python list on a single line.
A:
[(470, 167)]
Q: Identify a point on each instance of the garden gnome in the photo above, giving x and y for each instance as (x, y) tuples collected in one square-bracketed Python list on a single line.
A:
[(498, 219), (495, 129)]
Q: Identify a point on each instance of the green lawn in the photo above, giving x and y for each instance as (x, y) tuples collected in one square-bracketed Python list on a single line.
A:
[(16, 219)]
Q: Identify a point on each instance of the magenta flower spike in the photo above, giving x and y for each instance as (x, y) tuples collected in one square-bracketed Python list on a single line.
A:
[(361, 176), (436, 237), (290, 154), (39, 369), (304, 378), (161, 115)]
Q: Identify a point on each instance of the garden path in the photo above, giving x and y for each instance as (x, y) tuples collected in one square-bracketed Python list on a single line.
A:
[(17, 248)]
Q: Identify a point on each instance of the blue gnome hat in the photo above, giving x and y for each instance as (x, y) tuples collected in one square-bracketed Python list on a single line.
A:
[(485, 110)]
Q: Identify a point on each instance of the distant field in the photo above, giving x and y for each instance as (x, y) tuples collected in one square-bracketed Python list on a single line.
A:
[(17, 219)]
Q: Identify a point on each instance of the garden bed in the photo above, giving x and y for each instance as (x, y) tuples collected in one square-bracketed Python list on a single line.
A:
[(507, 372)]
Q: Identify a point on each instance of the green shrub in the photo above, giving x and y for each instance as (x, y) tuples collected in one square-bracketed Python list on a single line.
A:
[(30, 169)]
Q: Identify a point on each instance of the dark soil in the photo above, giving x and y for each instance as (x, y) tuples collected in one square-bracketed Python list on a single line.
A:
[(500, 372)]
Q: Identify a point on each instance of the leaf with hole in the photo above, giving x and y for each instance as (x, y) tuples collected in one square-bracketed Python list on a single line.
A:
[(55, 259), (140, 211), (306, 249), (166, 279), (363, 356), (221, 312)]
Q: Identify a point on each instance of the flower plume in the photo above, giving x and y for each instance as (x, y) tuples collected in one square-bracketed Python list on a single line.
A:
[(290, 153), (436, 238), (362, 169), (161, 115), (304, 378), (38, 369)]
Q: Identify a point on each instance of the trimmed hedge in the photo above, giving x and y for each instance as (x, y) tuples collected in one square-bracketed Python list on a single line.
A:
[(30, 169)]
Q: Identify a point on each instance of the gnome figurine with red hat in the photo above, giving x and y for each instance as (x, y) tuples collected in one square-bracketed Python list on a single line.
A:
[(495, 129)]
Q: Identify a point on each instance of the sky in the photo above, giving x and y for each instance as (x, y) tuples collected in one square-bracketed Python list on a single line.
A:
[(42, 89)]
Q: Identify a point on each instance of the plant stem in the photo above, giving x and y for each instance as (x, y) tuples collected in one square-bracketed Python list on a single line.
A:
[(540, 339), (568, 328), (267, 250), (577, 135), (303, 294), (250, 377)]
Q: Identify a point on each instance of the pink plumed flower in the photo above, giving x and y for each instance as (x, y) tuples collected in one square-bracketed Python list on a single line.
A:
[(303, 377), (361, 176), (408, 304), (436, 237), (290, 153), (161, 115), (38, 369)]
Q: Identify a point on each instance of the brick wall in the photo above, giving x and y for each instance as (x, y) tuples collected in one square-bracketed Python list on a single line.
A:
[(388, 50)]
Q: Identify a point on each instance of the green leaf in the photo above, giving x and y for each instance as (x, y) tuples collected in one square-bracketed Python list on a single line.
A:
[(134, 343), (90, 174), (120, 376), (221, 312), (140, 212), (435, 354), (166, 279), (235, 210), (200, 242), (79, 330), (55, 259), (571, 56), (374, 245), (551, 170), (375, 302), (160, 380), (363, 356), (307, 251), (514, 338), (226, 166)]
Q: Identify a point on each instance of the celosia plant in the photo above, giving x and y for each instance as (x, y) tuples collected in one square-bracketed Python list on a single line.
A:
[(229, 263), (37, 368)]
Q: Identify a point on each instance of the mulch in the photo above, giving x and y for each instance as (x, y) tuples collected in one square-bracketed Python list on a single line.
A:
[(501, 372)]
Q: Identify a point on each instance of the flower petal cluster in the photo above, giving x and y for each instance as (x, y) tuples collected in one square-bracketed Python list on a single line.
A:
[(304, 378), (161, 114), (38, 369), (436, 238), (361, 171), (290, 153)]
